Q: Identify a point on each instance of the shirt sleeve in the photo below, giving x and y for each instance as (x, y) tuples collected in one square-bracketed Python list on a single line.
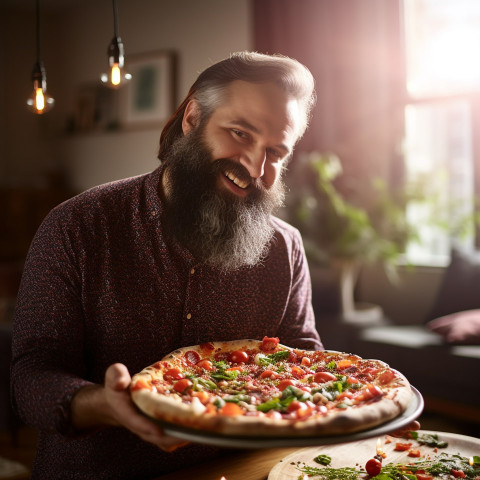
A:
[(48, 333), (298, 327)]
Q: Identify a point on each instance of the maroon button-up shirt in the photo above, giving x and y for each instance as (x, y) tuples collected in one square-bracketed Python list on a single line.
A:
[(102, 284)]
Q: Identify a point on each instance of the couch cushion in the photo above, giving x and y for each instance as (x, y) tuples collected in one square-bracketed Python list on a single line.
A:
[(459, 328), (460, 287)]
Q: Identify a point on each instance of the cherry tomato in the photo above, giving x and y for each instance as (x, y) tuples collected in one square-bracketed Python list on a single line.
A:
[(296, 405), (239, 356), (284, 384), (173, 374), (205, 364), (373, 467), (297, 372), (423, 476), (458, 473), (322, 377), (182, 384)]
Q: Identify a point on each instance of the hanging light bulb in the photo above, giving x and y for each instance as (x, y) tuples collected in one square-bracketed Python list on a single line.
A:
[(39, 101), (116, 76)]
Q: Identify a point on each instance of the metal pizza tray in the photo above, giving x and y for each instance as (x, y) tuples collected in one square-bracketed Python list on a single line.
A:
[(412, 412)]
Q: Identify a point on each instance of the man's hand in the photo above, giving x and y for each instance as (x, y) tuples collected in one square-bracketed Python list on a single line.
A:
[(404, 432), (111, 405)]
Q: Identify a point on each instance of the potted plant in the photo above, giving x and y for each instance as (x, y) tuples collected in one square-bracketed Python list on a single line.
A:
[(342, 235)]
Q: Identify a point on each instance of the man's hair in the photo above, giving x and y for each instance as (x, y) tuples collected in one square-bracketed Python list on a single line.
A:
[(209, 89)]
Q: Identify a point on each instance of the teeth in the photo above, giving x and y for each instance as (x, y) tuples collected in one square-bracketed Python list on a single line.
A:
[(237, 181)]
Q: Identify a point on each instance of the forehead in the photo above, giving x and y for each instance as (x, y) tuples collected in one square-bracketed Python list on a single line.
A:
[(266, 106)]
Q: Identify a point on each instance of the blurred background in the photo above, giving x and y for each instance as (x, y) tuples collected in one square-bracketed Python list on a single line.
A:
[(395, 134), (397, 100)]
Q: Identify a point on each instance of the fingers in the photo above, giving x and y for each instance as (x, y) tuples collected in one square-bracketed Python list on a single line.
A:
[(117, 377), (405, 432)]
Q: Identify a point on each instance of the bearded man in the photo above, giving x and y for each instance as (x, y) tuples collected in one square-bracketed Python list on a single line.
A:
[(127, 272)]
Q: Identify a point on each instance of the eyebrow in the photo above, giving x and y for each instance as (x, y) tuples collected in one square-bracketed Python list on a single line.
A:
[(248, 126)]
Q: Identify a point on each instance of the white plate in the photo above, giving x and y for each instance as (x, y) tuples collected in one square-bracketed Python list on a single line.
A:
[(412, 412)]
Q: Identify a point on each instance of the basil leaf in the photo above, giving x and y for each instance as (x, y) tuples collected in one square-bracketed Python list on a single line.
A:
[(323, 459)]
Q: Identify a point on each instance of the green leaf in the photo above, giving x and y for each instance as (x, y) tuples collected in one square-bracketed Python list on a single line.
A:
[(323, 459)]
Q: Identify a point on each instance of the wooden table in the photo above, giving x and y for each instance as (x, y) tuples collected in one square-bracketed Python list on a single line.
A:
[(234, 465)]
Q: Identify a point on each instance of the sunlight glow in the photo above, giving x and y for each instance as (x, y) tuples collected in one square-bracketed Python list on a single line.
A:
[(442, 38)]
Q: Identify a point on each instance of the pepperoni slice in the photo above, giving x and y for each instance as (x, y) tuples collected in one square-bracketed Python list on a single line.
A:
[(192, 357)]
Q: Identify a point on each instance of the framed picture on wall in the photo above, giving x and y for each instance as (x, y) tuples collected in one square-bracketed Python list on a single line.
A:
[(149, 97)]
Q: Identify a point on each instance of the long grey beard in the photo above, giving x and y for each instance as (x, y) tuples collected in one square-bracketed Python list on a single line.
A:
[(225, 232)]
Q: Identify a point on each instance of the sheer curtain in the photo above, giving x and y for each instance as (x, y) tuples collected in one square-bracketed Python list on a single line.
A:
[(354, 50)]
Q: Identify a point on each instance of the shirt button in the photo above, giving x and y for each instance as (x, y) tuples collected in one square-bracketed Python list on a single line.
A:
[(189, 316), (192, 271)]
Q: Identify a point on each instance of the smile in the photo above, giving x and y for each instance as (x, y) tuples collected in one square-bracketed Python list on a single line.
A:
[(237, 181)]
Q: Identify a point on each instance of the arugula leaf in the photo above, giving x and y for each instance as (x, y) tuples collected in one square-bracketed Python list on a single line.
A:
[(431, 440), (272, 358), (323, 459)]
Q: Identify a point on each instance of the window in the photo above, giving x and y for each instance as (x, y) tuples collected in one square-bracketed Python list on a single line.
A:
[(443, 74)]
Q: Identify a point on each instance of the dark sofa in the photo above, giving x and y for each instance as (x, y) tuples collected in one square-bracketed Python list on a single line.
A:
[(441, 356)]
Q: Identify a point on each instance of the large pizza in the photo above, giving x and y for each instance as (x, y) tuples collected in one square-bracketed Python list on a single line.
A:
[(264, 388)]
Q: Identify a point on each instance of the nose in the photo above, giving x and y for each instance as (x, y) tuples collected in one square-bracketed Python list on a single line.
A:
[(254, 162)]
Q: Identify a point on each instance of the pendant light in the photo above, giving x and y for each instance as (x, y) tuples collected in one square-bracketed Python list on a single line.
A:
[(39, 101), (116, 76)]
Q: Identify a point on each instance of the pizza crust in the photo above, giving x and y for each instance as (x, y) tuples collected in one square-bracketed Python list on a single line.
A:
[(171, 409)]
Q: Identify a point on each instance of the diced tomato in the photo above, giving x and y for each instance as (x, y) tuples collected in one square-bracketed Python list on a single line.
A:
[(211, 408), (231, 410), (140, 384), (173, 374), (402, 447), (205, 364), (201, 395), (342, 364), (343, 395), (306, 362), (322, 377), (414, 452), (239, 356), (386, 377), (192, 357), (352, 380), (235, 369), (458, 473), (284, 384), (269, 344), (297, 372), (269, 374), (181, 385)]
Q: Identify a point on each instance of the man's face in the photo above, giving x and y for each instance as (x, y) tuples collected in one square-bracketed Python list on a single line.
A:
[(256, 127), (221, 188)]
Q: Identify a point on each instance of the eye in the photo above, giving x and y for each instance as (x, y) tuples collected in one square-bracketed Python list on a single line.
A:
[(240, 134), (275, 153)]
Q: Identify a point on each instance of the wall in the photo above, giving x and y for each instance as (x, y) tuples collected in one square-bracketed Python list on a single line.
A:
[(74, 42)]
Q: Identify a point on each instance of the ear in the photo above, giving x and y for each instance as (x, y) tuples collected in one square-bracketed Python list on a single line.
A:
[(191, 116)]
